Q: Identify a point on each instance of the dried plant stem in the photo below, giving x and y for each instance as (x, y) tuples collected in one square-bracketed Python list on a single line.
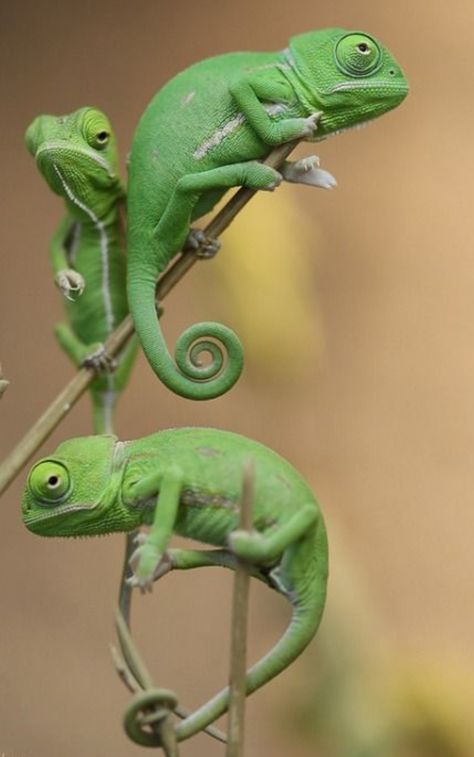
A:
[(238, 661), (63, 403)]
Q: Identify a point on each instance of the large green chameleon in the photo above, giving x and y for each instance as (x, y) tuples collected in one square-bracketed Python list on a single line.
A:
[(188, 481), (206, 131), (77, 156)]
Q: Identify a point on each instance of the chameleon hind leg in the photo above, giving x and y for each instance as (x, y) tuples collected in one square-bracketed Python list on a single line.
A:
[(268, 547), (205, 188), (80, 353), (188, 559)]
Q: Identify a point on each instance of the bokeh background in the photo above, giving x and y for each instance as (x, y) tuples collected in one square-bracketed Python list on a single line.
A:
[(357, 314)]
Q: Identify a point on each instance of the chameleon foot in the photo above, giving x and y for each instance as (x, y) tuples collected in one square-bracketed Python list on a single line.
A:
[(205, 247), (307, 171), (147, 564), (100, 361), (311, 124), (70, 283)]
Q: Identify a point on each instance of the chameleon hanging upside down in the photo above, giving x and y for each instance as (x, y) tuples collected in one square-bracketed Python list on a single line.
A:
[(188, 481), (206, 131), (77, 156)]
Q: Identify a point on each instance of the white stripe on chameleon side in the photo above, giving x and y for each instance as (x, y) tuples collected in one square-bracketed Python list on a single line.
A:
[(104, 250), (108, 401), (273, 109), (76, 238)]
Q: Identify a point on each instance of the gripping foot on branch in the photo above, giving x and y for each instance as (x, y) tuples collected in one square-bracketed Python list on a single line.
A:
[(100, 360), (204, 246), (307, 171)]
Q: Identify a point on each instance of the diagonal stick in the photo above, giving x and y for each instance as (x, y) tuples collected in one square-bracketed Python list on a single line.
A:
[(63, 403)]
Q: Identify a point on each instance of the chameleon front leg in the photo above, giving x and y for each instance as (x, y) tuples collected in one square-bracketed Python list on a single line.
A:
[(167, 486), (69, 281), (252, 90)]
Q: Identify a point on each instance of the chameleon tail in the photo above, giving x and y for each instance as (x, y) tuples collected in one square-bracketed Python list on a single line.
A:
[(103, 404), (189, 377), (303, 626)]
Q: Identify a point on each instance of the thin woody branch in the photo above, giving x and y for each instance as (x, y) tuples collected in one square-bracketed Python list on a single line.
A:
[(64, 402), (238, 658)]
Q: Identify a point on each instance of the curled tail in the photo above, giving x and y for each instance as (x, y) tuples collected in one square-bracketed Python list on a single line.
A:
[(188, 377), (303, 626)]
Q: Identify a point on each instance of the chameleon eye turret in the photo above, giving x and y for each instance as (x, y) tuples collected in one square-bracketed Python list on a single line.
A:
[(358, 55), (96, 129), (49, 482)]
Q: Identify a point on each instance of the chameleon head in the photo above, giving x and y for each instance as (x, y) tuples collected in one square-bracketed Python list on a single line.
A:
[(349, 76), (77, 155), (75, 492)]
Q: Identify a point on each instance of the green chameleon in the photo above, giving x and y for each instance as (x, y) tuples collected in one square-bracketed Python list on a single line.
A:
[(204, 132), (77, 156), (188, 481)]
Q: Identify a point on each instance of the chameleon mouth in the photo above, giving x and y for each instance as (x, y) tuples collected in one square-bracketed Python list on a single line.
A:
[(55, 146), (31, 521), (378, 85), (342, 130)]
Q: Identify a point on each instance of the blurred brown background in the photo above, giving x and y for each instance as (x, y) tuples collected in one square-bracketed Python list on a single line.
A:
[(379, 418)]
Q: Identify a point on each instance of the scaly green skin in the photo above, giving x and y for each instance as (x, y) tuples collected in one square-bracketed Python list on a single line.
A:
[(205, 132), (188, 481), (77, 156)]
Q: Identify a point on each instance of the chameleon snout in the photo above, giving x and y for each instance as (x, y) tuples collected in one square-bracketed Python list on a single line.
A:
[(32, 136)]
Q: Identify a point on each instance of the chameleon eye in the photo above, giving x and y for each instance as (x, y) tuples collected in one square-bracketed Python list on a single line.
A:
[(358, 55), (49, 482), (96, 129), (102, 138)]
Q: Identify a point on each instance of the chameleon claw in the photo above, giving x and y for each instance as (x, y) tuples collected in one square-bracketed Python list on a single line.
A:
[(147, 564), (70, 283), (204, 246), (140, 538), (312, 123), (100, 361), (307, 171), (278, 178)]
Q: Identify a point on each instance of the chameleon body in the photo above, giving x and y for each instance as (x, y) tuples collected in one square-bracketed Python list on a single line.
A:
[(188, 481), (77, 156), (205, 131)]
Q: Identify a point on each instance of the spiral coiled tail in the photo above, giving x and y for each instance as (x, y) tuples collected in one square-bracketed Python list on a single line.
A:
[(146, 715), (223, 347), (190, 377)]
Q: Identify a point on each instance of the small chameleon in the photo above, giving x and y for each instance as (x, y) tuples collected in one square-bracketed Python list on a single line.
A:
[(188, 481), (77, 156), (206, 131)]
